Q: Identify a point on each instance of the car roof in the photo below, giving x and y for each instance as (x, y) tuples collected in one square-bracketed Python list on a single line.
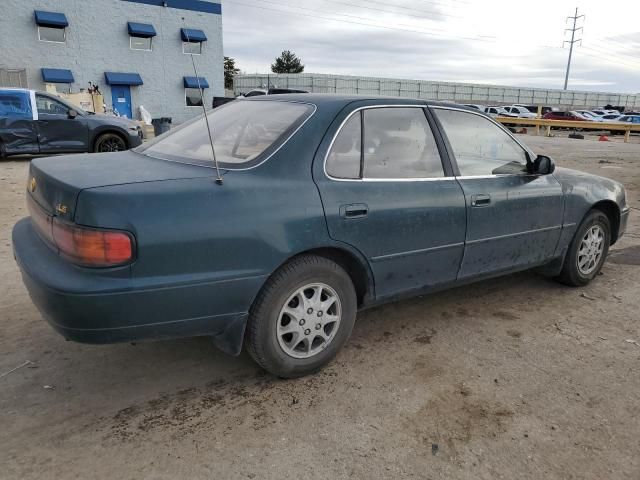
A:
[(330, 99), (15, 89)]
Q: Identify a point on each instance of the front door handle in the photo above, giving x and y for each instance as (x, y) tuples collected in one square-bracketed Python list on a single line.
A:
[(480, 200), (354, 210)]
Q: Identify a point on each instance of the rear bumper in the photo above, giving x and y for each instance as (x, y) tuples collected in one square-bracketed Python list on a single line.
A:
[(106, 306)]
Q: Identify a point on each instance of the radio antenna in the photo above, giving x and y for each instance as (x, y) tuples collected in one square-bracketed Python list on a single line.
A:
[(204, 109)]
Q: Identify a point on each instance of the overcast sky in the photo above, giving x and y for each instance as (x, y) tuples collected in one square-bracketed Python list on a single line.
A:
[(502, 42)]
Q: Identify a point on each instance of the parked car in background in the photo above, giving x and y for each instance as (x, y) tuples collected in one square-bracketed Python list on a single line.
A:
[(570, 116), (534, 108), (146, 244), (34, 122), (610, 117), (497, 111), (480, 108), (629, 119), (219, 101), (257, 92), (520, 112), (603, 112), (588, 115)]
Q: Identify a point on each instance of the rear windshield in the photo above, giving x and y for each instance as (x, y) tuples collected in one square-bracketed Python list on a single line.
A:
[(244, 132)]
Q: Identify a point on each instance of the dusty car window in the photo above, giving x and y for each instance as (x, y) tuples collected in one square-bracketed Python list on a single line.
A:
[(50, 106), (242, 132), (480, 147), (398, 143), (344, 158)]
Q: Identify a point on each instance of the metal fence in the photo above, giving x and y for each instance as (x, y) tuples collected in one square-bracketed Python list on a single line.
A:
[(443, 91), (12, 77)]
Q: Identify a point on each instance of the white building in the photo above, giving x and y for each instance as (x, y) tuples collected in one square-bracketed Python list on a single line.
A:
[(136, 51)]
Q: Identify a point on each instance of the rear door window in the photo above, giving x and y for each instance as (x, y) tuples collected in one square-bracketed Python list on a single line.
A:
[(344, 157), (398, 144)]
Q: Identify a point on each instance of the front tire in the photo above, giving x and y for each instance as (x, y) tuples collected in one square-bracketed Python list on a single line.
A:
[(587, 251), (302, 317), (110, 142)]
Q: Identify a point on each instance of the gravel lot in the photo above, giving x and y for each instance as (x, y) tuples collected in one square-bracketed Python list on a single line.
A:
[(515, 378)]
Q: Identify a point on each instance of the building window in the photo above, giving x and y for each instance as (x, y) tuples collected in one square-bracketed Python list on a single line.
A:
[(52, 34), (193, 97), (60, 87), (193, 48), (141, 43)]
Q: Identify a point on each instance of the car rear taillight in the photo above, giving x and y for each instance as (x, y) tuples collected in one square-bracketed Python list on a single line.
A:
[(92, 247), (86, 246)]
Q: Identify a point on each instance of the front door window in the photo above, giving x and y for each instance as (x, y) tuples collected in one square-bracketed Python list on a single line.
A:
[(480, 146)]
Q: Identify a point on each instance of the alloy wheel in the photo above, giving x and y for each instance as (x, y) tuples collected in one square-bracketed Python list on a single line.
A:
[(309, 320), (112, 144), (591, 249)]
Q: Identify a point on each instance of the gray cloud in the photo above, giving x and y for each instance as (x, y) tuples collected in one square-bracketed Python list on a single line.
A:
[(255, 36)]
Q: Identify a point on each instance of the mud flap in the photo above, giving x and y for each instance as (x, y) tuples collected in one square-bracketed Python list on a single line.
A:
[(553, 268), (230, 341)]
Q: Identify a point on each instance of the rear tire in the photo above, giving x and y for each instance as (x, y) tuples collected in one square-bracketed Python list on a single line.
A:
[(587, 251), (302, 317), (110, 142), (3, 151)]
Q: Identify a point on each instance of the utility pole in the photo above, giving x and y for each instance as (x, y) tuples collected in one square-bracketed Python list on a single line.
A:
[(573, 40)]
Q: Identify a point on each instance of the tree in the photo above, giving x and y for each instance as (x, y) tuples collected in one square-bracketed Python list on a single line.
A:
[(287, 62), (230, 70)]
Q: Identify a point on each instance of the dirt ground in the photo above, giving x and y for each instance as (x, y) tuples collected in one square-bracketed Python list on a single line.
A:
[(514, 378)]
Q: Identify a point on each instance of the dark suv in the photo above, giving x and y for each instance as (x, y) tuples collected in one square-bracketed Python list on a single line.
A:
[(36, 122)]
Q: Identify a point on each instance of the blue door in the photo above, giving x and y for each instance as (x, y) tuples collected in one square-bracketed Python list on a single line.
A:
[(121, 100)]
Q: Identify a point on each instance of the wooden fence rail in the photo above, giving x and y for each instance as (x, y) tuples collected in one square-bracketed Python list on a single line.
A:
[(549, 124)]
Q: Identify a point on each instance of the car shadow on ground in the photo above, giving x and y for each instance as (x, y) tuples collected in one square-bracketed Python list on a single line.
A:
[(141, 369)]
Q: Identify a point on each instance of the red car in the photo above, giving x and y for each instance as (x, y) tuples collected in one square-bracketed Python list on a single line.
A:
[(562, 116)]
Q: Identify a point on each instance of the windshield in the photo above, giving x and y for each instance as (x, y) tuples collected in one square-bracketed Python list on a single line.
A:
[(243, 133)]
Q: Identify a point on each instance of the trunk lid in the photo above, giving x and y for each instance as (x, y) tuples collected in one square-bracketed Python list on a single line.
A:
[(55, 182)]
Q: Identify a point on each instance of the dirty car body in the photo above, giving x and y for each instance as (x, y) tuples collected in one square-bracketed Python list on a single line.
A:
[(337, 180), (34, 122)]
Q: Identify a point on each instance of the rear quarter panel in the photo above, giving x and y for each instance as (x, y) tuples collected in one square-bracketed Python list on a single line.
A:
[(194, 230)]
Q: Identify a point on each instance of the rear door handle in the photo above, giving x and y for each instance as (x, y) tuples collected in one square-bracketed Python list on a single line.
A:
[(354, 210), (480, 200)]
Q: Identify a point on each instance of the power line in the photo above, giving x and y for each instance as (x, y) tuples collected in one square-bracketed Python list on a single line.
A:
[(605, 59), (619, 56), (571, 42)]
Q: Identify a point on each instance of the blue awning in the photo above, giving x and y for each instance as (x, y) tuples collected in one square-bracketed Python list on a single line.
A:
[(56, 75), (51, 19), (115, 78), (141, 30), (191, 35), (192, 82)]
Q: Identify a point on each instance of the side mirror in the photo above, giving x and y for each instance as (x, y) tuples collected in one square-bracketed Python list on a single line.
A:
[(543, 165), (72, 113)]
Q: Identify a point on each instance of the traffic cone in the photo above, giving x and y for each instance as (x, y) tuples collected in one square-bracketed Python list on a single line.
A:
[(603, 138)]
